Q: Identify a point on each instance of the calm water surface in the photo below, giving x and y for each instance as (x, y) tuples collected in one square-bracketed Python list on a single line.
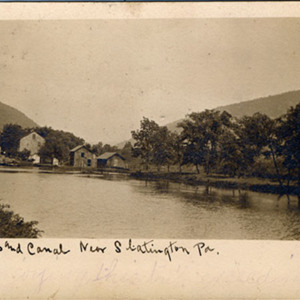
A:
[(74, 206)]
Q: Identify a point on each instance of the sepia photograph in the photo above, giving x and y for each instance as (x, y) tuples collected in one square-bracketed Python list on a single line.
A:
[(150, 150), (161, 128)]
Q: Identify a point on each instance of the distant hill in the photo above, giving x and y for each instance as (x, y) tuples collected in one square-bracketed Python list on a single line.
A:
[(273, 106), (11, 115)]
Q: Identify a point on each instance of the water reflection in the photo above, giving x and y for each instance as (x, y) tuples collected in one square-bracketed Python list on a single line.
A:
[(111, 205), (160, 187), (259, 213), (244, 202), (196, 195)]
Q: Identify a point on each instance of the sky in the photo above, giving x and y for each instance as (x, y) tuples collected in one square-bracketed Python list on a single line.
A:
[(98, 78)]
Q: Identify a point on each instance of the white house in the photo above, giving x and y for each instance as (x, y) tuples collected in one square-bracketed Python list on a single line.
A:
[(33, 143)]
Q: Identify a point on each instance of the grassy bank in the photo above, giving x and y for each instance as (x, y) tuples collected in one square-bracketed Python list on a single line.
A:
[(255, 184)]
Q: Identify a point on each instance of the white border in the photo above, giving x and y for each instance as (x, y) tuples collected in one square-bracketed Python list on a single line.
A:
[(137, 10)]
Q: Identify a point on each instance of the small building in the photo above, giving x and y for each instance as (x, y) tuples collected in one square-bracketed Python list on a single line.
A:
[(82, 157), (49, 161), (111, 160), (55, 162), (33, 143)]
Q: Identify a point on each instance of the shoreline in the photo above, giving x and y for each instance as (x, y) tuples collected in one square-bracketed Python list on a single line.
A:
[(253, 184), (62, 169)]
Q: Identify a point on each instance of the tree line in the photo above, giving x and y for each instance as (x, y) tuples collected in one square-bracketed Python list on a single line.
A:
[(216, 142), (57, 145), (211, 141)]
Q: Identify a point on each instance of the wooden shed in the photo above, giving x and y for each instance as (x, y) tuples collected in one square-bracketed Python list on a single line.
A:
[(82, 157), (111, 160)]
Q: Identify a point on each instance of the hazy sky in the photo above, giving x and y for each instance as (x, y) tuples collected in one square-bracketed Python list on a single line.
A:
[(98, 78)]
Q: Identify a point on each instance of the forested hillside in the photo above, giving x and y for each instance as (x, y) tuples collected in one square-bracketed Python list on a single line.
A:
[(273, 106), (10, 115)]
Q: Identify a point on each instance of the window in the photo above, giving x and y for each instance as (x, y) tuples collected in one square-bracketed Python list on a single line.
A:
[(82, 154), (33, 136), (89, 162)]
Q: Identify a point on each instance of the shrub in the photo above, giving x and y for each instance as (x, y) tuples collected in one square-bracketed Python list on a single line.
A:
[(14, 226)]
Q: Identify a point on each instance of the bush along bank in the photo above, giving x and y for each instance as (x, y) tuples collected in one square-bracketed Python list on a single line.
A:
[(14, 226)]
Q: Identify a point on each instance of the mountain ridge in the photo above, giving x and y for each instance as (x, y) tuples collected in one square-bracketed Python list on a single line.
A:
[(273, 105), (11, 115)]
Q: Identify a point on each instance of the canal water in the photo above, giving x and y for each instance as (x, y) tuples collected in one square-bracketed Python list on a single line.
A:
[(115, 206)]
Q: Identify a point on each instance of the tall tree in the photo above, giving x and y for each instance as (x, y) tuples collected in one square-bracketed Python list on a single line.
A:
[(58, 143), (162, 148), (109, 148), (289, 131), (176, 149), (126, 151), (201, 133), (257, 136), (97, 149), (10, 139), (145, 141), (54, 147), (230, 156)]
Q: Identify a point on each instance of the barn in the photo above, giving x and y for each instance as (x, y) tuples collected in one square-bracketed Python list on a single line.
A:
[(82, 157), (33, 143), (111, 160)]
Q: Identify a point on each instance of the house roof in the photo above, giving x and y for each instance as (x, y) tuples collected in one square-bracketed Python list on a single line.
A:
[(32, 132), (108, 155), (77, 148)]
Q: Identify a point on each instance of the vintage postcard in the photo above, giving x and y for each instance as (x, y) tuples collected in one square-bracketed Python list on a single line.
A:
[(150, 150)]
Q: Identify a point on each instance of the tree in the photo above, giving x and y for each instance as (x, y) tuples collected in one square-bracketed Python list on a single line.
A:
[(97, 149), (162, 148), (255, 132), (230, 156), (153, 144), (88, 146), (289, 131), (145, 141), (14, 226), (109, 148), (43, 131), (53, 149), (201, 133), (126, 151), (10, 139), (24, 154), (58, 143), (257, 136), (176, 149)]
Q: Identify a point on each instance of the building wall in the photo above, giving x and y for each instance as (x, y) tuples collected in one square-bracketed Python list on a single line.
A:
[(32, 142), (35, 158), (82, 158), (113, 162), (49, 161), (116, 161)]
